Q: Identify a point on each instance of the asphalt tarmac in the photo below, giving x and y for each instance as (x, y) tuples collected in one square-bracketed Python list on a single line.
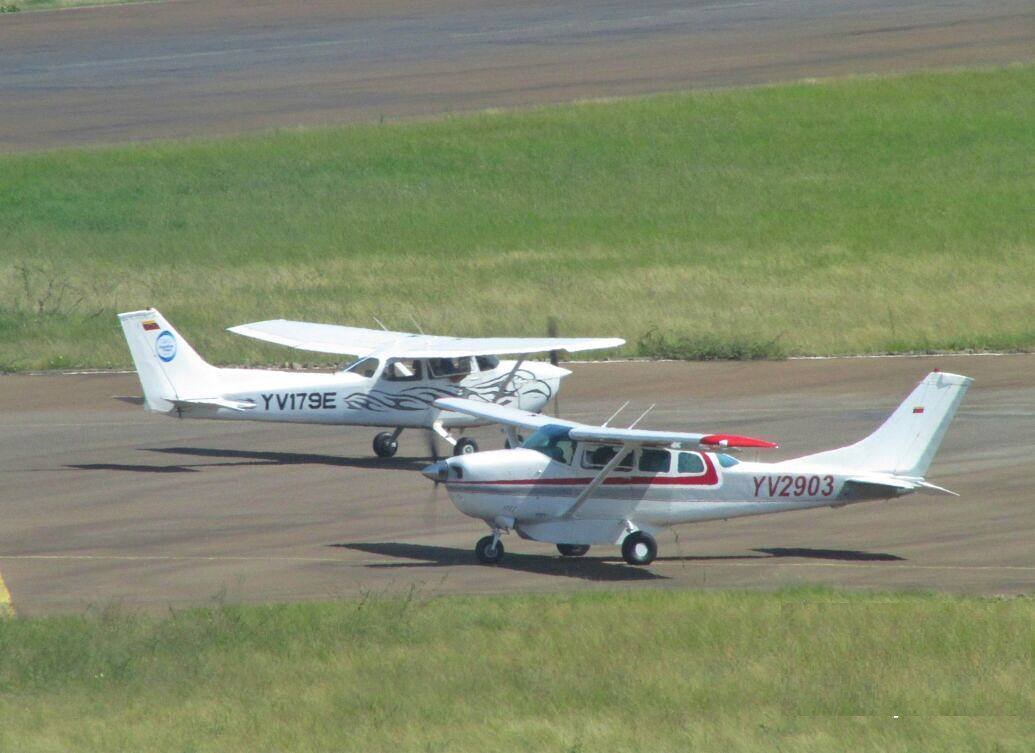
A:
[(103, 503), (205, 67)]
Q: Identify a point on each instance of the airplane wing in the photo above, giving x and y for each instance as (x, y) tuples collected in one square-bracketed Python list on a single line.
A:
[(498, 414), (359, 341), (605, 434)]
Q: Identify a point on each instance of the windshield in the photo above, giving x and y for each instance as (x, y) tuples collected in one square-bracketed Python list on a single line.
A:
[(727, 461), (553, 441), (364, 367)]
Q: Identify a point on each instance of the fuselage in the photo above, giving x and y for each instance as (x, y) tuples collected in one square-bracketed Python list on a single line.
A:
[(376, 396), (529, 491)]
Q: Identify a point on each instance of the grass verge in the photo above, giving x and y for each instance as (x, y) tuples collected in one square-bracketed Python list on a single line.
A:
[(802, 670), (850, 216), (16, 6)]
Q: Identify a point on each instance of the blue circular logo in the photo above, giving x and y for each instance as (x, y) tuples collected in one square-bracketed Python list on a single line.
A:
[(165, 346)]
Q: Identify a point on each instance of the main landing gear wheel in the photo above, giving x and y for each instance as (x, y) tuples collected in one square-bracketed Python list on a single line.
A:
[(489, 550), (572, 550), (639, 548), (465, 446), (385, 444)]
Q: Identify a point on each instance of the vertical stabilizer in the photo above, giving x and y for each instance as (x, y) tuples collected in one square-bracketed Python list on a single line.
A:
[(906, 442), (167, 365)]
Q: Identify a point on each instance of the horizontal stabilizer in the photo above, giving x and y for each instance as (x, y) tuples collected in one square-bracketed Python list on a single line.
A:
[(892, 486), (360, 341), (213, 402)]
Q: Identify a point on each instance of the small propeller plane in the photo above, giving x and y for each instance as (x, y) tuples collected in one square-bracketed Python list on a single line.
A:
[(576, 485), (394, 383)]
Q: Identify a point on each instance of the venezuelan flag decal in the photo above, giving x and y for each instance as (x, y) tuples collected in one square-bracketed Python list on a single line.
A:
[(150, 325), (918, 409)]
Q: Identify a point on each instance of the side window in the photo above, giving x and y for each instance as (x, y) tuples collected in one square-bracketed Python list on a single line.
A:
[(403, 370), (690, 462), (365, 367), (487, 363), (449, 367), (654, 461), (599, 456)]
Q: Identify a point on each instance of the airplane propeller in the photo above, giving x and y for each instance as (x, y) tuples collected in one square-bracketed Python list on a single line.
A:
[(430, 438)]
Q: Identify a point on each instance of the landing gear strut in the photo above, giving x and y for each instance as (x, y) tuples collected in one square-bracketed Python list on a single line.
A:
[(462, 446), (386, 443), (639, 548), (572, 550), (489, 550)]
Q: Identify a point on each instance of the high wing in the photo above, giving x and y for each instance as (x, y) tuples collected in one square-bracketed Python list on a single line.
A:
[(582, 432), (499, 414), (359, 341)]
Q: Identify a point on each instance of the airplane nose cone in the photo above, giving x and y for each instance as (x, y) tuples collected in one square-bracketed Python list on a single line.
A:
[(437, 471)]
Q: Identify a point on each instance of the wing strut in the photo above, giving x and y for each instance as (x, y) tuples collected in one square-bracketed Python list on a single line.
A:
[(597, 480), (508, 380)]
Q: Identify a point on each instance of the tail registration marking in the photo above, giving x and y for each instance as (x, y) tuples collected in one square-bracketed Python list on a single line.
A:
[(794, 486)]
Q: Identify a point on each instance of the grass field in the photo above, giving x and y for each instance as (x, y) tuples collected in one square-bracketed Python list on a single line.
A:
[(15, 6), (863, 215), (799, 670)]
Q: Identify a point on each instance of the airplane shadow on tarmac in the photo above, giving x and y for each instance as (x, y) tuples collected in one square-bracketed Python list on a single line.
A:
[(252, 457), (584, 568), (608, 568)]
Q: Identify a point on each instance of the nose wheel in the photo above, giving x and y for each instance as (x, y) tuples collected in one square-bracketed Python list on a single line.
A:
[(489, 550), (572, 550), (639, 548)]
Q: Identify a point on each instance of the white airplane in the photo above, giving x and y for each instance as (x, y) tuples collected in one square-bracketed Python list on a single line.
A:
[(394, 383), (576, 485)]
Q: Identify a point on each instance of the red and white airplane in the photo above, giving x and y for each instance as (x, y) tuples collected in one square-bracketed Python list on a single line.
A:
[(576, 485)]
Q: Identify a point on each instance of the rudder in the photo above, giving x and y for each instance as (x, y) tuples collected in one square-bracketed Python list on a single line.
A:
[(905, 444), (168, 367)]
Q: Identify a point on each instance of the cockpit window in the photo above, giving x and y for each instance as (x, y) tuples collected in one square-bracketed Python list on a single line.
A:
[(487, 363), (553, 441), (654, 461), (690, 462), (403, 370), (599, 456), (365, 367), (727, 461), (449, 367)]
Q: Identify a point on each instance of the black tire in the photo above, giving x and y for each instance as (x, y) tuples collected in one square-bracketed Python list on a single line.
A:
[(486, 553), (465, 446), (639, 548), (384, 445), (572, 550)]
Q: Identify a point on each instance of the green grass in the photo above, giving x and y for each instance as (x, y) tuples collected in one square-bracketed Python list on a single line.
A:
[(797, 670), (14, 6), (850, 216)]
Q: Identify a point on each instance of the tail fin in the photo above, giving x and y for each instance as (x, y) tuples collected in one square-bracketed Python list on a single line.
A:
[(168, 367), (906, 442)]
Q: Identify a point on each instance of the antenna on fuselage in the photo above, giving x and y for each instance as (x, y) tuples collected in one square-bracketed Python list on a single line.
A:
[(380, 324), (642, 416), (415, 323), (615, 414)]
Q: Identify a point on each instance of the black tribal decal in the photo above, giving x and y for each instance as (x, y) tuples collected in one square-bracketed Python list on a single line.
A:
[(421, 397)]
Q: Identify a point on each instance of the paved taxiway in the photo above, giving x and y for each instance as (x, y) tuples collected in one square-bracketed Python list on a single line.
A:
[(101, 502), (194, 67)]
